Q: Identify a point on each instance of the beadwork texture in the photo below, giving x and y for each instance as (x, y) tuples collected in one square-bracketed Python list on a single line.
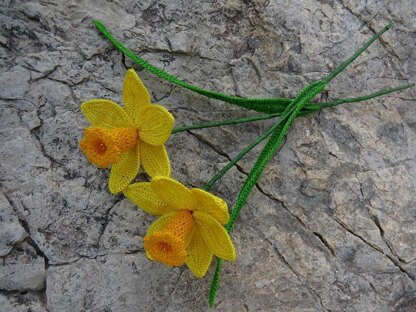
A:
[(124, 137), (190, 229)]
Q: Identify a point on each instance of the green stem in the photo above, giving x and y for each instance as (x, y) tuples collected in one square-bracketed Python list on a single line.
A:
[(223, 123), (257, 104), (360, 98)]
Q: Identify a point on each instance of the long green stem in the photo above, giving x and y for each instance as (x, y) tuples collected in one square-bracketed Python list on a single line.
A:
[(223, 123), (360, 98)]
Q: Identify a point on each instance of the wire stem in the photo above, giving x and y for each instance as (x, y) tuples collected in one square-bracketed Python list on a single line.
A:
[(223, 123)]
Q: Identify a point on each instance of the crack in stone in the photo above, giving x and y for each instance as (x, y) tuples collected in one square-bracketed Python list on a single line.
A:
[(45, 74), (39, 252), (32, 242), (94, 55), (105, 87), (41, 145), (175, 53), (255, 67), (376, 221), (182, 270), (69, 83), (41, 294), (318, 235), (325, 242), (166, 95), (24, 224), (107, 220), (395, 262), (218, 151)]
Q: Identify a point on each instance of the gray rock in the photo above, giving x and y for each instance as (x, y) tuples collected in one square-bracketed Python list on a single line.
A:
[(23, 269), (23, 302), (329, 226), (11, 232)]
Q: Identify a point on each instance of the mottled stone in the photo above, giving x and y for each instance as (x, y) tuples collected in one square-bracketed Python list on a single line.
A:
[(88, 283), (330, 225), (11, 232), (23, 269), (18, 302)]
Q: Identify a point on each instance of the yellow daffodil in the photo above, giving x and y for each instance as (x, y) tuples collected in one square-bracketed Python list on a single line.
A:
[(126, 137), (190, 229)]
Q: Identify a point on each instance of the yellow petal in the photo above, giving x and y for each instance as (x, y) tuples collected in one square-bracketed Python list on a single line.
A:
[(173, 193), (124, 170), (159, 224), (155, 159), (212, 205), (105, 114), (135, 95), (145, 198), (199, 254), (156, 125), (215, 236)]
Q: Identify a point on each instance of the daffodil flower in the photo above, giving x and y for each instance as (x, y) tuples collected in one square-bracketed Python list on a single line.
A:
[(190, 227), (125, 137)]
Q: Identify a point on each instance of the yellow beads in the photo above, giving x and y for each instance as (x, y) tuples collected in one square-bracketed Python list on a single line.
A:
[(103, 147), (169, 244)]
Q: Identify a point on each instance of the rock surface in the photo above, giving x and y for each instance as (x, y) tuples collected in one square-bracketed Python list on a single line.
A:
[(331, 224)]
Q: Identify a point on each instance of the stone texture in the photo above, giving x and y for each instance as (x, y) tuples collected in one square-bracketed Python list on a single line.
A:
[(330, 225), (11, 232), (23, 269)]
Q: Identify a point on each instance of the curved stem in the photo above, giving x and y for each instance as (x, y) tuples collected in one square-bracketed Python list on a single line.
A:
[(259, 104)]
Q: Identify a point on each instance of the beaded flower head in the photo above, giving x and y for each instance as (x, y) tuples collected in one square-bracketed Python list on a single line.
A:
[(125, 137)]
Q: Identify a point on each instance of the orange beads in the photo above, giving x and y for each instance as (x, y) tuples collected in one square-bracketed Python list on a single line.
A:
[(103, 147), (169, 244)]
